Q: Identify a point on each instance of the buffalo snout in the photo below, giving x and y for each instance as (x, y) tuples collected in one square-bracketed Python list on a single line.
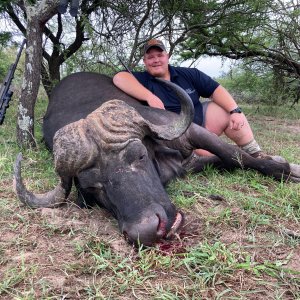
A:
[(151, 226)]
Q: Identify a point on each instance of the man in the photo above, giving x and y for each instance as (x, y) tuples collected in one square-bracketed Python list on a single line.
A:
[(219, 115)]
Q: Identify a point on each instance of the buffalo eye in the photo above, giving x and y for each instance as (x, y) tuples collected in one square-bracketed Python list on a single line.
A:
[(135, 152), (142, 157)]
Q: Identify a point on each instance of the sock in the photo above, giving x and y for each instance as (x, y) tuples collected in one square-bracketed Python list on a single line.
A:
[(251, 147)]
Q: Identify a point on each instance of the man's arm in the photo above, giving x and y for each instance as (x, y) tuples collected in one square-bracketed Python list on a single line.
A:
[(222, 97), (131, 86)]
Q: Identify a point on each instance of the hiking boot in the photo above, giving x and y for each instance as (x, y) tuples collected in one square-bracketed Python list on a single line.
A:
[(262, 155)]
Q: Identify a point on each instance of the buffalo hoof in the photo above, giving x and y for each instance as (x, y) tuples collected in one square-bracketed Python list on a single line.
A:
[(295, 172), (278, 159)]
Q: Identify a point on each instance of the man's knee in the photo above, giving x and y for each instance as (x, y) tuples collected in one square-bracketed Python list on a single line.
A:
[(216, 118)]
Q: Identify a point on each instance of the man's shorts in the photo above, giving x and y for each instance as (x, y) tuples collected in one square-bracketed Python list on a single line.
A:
[(204, 106)]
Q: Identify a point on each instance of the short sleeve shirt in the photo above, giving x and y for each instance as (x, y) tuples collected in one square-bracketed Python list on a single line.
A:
[(196, 83)]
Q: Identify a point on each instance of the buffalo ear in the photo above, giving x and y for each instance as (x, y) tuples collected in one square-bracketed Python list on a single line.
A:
[(168, 163), (89, 178)]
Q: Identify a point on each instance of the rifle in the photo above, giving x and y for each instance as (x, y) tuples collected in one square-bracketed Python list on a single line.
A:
[(5, 92)]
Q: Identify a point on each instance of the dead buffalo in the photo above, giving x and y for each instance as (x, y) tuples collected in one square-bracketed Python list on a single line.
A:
[(120, 154)]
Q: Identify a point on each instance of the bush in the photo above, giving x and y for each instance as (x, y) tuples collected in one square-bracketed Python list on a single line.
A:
[(260, 87)]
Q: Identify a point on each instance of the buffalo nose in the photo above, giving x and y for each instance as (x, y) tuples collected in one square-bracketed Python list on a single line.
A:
[(148, 228)]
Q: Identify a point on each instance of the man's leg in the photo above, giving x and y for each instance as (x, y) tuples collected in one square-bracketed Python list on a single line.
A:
[(217, 121)]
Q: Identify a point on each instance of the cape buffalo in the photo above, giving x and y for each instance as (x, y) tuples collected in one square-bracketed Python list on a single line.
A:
[(120, 154)]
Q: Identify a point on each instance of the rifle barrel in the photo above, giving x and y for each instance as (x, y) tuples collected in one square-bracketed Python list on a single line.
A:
[(5, 92)]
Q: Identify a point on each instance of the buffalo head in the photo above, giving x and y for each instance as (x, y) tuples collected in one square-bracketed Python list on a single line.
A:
[(107, 155)]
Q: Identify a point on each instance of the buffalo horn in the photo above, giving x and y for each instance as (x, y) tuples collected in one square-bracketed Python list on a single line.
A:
[(180, 125), (50, 199)]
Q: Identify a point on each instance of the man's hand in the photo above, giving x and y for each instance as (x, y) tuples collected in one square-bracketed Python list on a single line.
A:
[(237, 121), (154, 101)]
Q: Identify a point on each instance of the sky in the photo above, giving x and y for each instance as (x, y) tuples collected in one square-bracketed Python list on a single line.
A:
[(212, 66)]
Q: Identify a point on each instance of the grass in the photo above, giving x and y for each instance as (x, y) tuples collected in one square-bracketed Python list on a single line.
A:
[(241, 238)]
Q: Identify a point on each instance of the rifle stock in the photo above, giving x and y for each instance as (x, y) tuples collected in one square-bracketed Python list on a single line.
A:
[(5, 92)]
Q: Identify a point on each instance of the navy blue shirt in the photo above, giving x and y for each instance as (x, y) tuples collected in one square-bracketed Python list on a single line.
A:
[(196, 83)]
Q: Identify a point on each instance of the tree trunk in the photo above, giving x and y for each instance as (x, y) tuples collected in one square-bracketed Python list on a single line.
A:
[(50, 75), (30, 86), (37, 16), (46, 79)]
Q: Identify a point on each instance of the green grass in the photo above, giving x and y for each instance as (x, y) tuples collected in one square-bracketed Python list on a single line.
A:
[(236, 243), (279, 112)]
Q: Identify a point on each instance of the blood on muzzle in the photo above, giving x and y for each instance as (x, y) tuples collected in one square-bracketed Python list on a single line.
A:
[(152, 230)]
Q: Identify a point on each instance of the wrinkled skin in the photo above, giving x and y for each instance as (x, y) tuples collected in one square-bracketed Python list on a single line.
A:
[(124, 168)]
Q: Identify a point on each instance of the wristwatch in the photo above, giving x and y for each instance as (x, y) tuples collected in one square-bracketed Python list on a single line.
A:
[(237, 110)]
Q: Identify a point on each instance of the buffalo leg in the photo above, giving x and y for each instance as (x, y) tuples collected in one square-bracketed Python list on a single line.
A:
[(233, 157)]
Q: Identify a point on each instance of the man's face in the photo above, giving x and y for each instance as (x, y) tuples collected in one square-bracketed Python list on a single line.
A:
[(156, 62)]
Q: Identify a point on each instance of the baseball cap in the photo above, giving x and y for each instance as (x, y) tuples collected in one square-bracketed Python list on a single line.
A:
[(154, 43)]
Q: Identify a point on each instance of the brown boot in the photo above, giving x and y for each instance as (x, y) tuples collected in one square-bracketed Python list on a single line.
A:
[(262, 155)]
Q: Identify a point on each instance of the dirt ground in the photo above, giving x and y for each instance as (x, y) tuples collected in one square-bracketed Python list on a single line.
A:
[(43, 242), (44, 254)]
